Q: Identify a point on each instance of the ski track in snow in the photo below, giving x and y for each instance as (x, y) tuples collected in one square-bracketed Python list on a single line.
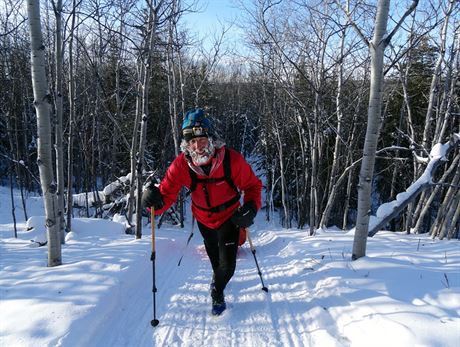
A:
[(253, 317)]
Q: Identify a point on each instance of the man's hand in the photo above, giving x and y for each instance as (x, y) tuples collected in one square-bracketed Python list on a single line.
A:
[(151, 197), (244, 216)]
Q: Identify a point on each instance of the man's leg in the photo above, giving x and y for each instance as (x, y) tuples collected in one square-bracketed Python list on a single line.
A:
[(211, 244), (221, 246), (228, 246)]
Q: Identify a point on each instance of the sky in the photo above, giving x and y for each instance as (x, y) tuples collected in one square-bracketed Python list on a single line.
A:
[(211, 16), (405, 292), (211, 11)]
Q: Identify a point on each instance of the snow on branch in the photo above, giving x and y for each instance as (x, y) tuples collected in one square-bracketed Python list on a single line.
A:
[(87, 199), (109, 194), (387, 211), (120, 182)]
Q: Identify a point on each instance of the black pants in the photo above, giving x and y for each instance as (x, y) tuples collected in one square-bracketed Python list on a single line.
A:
[(221, 246)]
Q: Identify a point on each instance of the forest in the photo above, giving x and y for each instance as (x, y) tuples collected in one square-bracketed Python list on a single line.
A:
[(337, 104)]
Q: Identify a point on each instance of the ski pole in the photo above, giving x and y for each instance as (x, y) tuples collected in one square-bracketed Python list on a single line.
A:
[(188, 241), (154, 321), (253, 250)]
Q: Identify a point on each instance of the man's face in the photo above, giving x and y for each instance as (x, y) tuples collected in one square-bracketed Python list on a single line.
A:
[(198, 144), (201, 150)]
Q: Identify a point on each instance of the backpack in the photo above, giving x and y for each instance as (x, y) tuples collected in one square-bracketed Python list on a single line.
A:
[(228, 178)]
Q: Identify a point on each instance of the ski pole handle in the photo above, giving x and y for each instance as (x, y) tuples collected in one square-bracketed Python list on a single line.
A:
[(251, 246)]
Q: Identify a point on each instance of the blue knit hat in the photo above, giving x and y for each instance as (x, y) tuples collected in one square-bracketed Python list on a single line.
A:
[(196, 124)]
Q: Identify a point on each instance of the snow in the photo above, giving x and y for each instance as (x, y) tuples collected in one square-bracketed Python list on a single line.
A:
[(406, 292), (438, 150)]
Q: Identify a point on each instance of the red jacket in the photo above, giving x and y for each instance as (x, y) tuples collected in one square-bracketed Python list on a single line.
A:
[(243, 177)]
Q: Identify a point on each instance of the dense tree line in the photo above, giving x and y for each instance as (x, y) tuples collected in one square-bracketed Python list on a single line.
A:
[(297, 104)]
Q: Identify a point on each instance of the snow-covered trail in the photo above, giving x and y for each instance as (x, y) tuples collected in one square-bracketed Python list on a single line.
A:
[(285, 316), (183, 304), (280, 317)]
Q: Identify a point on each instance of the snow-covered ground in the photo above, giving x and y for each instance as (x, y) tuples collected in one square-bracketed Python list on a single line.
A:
[(406, 292)]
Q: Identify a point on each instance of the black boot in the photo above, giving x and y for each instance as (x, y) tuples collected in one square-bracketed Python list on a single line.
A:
[(218, 303)]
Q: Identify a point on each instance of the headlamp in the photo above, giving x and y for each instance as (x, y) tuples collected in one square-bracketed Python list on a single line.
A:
[(195, 131)]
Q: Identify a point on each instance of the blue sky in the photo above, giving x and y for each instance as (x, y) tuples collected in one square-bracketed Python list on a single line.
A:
[(214, 12)]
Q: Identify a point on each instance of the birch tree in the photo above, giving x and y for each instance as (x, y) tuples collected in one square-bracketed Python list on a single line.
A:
[(377, 47), (42, 103)]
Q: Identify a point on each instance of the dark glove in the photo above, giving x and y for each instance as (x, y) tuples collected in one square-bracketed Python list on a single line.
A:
[(151, 197), (244, 216)]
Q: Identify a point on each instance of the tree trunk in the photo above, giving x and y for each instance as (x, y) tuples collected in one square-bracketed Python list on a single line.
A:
[(151, 25), (449, 220), (313, 180), (13, 207), (449, 95), (173, 96), (447, 208), (377, 48), (135, 146), (426, 207), (59, 111), (454, 230), (436, 78), (42, 105), (279, 142), (72, 116), (332, 186)]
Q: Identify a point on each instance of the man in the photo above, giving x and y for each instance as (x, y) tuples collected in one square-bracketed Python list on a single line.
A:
[(204, 166)]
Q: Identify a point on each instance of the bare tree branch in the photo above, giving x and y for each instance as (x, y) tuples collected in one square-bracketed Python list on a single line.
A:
[(412, 7), (353, 24)]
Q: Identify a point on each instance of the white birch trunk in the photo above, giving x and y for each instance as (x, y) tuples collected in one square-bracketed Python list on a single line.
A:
[(377, 49), (43, 108)]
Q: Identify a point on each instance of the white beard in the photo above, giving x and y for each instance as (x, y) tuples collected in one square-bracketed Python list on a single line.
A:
[(205, 157)]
